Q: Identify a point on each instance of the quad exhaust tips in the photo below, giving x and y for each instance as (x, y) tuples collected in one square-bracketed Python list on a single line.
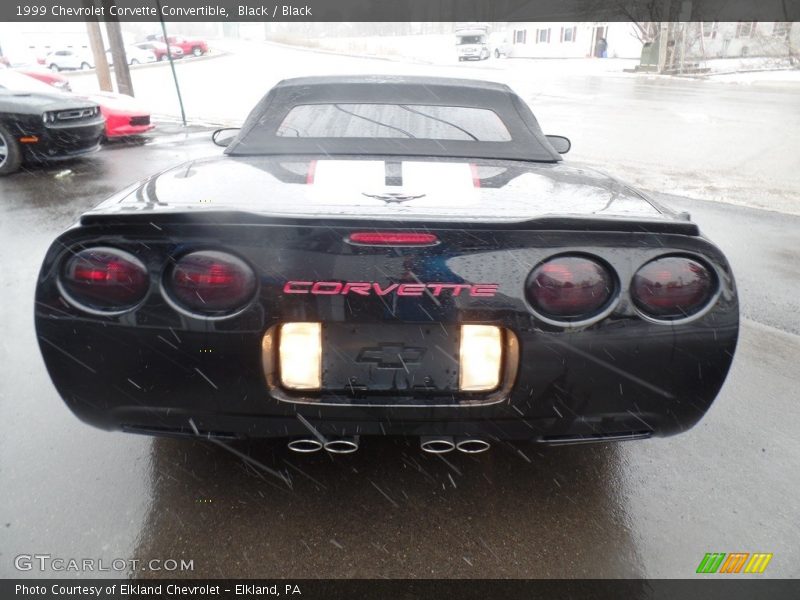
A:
[(344, 445), (430, 444), (469, 445), (437, 444), (444, 444), (305, 445)]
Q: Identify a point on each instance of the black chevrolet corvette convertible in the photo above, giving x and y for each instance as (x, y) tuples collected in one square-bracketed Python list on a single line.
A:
[(387, 256)]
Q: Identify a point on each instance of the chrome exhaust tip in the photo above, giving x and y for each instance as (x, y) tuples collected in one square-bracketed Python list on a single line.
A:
[(472, 445), (346, 445), (437, 444), (305, 445)]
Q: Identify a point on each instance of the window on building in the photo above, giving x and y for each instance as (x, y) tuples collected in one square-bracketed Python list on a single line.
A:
[(710, 29), (781, 30), (543, 36), (520, 36), (745, 29), (568, 34)]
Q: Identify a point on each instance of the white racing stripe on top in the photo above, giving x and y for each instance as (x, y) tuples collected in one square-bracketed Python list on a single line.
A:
[(438, 183), (444, 184), (349, 175)]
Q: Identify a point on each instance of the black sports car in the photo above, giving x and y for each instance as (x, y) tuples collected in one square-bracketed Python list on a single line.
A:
[(387, 256), (40, 126)]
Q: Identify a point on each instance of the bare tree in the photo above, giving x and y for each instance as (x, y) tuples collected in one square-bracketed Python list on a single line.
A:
[(652, 20)]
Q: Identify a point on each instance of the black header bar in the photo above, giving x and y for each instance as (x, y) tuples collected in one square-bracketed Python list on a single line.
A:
[(734, 587), (399, 10)]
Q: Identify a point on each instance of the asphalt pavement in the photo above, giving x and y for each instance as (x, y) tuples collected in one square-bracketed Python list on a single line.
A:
[(648, 508)]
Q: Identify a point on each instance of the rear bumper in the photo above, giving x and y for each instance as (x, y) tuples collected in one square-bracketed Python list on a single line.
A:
[(170, 424), (589, 385)]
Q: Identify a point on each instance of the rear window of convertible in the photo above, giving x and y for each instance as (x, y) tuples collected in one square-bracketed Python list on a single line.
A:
[(393, 121)]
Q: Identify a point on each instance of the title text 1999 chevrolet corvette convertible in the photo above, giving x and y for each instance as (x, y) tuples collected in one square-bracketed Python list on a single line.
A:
[(387, 256)]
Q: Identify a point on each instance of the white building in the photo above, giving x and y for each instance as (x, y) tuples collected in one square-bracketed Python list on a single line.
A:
[(573, 40), (27, 42), (745, 38), (702, 40)]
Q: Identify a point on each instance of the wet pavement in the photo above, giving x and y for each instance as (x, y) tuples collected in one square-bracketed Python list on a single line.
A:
[(650, 508)]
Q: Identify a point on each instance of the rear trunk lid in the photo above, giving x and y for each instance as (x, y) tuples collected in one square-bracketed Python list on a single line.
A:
[(401, 191)]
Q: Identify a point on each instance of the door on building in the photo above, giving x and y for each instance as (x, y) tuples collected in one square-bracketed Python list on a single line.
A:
[(598, 33)]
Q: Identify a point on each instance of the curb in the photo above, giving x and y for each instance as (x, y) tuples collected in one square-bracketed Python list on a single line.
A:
[(158, 63), (753, 71), (171, 119), (710, 76)]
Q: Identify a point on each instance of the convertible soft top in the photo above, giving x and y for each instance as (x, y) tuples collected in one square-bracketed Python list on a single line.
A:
[(261, 133)]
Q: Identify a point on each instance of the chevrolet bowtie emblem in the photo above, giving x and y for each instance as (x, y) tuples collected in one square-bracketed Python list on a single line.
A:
[(393, 197)]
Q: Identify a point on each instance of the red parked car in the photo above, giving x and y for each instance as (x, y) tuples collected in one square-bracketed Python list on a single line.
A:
[(193, 46), (124, 114), (47, 76), (160, 49)]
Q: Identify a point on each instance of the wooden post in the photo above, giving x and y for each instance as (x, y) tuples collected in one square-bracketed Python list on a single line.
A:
[(117, 45), (99, 54)]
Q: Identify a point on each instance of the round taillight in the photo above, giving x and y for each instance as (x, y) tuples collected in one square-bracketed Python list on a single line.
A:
[(673, 287), (570, 288), (212, 283), (105, 279)]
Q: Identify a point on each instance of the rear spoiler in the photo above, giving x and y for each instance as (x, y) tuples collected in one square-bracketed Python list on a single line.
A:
[(233, 218)]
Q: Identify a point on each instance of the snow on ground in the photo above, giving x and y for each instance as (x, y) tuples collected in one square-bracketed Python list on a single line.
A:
[(441, 50), (752, 77), (421, 48), (754, 63)]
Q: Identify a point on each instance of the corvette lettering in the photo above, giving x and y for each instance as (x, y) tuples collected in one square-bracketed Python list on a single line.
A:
[(368, 288)]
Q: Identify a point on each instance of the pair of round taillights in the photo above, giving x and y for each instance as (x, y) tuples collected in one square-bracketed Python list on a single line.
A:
[(110, 281), (562, 289), (577, 288)]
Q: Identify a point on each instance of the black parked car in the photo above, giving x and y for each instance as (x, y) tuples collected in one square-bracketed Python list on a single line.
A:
[(43, 125), (379, 256)]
